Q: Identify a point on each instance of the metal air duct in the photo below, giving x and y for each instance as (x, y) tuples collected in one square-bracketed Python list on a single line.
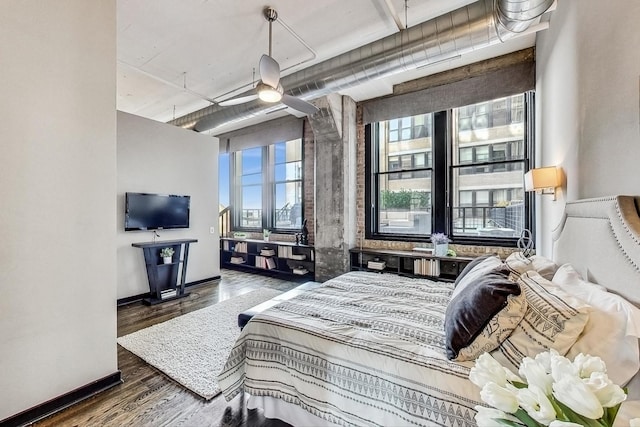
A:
[(469, 28)]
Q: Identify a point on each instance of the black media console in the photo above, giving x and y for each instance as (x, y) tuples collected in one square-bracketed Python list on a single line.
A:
[(163, 278)]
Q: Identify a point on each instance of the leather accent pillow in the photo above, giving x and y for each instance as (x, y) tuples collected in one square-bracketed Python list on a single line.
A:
[(484, 266), (518, 264), (467, 268), (482, 315), (553, 319)]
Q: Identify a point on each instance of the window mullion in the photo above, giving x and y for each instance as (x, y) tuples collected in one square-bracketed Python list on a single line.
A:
[(439, 182), (268, 189)]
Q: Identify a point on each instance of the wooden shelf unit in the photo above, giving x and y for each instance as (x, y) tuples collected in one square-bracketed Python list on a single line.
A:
[(164, 277), (280, 264), (406, 262)]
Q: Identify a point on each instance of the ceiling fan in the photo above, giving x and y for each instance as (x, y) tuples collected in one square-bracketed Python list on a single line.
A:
[(269, 88)]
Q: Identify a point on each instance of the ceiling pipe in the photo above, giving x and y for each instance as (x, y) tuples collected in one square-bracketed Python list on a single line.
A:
[(467, 29)]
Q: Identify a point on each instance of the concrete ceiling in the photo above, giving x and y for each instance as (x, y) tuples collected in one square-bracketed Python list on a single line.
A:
[(176, 56)]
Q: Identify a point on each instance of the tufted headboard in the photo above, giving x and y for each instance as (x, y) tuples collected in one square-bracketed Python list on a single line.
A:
[(601, 239)]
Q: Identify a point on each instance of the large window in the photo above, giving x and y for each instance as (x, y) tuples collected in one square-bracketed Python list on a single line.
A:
[(462, 174), (249, 179), (288, 185), (268, 188), (403, 176)]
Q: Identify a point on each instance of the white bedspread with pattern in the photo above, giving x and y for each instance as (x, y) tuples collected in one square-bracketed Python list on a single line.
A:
[(363, 349)]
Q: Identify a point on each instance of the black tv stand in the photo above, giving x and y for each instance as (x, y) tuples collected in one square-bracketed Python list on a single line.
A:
[(163, 278)]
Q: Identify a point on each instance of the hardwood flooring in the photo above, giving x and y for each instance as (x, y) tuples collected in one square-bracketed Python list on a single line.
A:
[(149, 398)]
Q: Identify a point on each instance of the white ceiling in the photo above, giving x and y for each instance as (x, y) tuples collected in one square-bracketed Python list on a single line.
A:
[(175, 55)]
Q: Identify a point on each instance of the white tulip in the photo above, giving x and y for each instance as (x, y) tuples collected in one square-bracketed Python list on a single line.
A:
[(486, 417), (635, 422), (586, 365), (499, 397), (561, 367), (544, 359), (486, 370), (535, 374), (511, 377), (578, 396), (537, 404), (558, 423), (608, 393)]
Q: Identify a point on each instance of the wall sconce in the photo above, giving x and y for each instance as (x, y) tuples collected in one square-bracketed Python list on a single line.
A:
[(542, 180)]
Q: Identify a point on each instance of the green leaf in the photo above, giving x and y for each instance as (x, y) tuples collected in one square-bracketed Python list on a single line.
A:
[(518, 384), (504, 422), (522, 415), (574, 417), (610, 414)]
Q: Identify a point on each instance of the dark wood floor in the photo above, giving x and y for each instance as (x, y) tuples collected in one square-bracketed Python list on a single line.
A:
[(149, 398)]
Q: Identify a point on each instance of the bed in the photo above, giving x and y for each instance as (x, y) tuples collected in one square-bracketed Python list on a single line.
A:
[(371, 349)]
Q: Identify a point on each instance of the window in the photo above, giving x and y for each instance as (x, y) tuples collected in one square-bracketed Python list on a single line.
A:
[(223, 180), (462, 176), (408, 128), (268, 187), (403, 178), (288, 185), (249, 178)]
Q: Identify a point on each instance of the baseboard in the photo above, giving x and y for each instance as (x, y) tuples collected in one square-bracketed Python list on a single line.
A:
[(59, 403), (136, 298), (200, 282)]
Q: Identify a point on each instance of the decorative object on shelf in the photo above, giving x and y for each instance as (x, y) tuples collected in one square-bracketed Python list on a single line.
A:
[(451, 252), (304, 236), (440, 244), (265, 234), (167, 255), (376, 264), (551, 390), (525, 243)]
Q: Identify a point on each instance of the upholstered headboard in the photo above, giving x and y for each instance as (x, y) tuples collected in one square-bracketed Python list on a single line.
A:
[(601, 239)]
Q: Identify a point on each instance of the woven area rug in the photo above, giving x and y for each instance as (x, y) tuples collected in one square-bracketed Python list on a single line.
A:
[(192, 348)]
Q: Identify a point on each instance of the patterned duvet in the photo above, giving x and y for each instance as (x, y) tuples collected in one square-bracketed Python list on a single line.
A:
[(363, 349)]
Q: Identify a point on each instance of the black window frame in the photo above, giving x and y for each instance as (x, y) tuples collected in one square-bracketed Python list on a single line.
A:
[(268, 191), (442, 179)]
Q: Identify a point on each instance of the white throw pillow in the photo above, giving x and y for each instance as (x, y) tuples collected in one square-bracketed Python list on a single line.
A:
[(518, 264), (553, 319), (612, 330)]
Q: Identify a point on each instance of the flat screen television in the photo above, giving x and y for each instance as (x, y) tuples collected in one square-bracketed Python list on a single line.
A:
[(146, 211)]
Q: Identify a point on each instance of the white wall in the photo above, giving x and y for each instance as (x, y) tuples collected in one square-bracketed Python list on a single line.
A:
[(155, 157), (57, 186), (588, 69)]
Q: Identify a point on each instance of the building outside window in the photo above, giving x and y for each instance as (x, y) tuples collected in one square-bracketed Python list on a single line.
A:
[(483, 157)]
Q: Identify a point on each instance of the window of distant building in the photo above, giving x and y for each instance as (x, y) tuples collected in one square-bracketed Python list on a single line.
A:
[(458, 171)]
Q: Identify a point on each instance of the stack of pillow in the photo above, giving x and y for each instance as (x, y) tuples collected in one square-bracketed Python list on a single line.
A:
[(526, 305)]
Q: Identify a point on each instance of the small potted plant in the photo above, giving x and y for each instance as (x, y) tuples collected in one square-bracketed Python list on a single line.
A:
[(440, 244), (167, 254)]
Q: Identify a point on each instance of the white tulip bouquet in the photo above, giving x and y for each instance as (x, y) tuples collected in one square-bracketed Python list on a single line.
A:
[(550, 390)]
